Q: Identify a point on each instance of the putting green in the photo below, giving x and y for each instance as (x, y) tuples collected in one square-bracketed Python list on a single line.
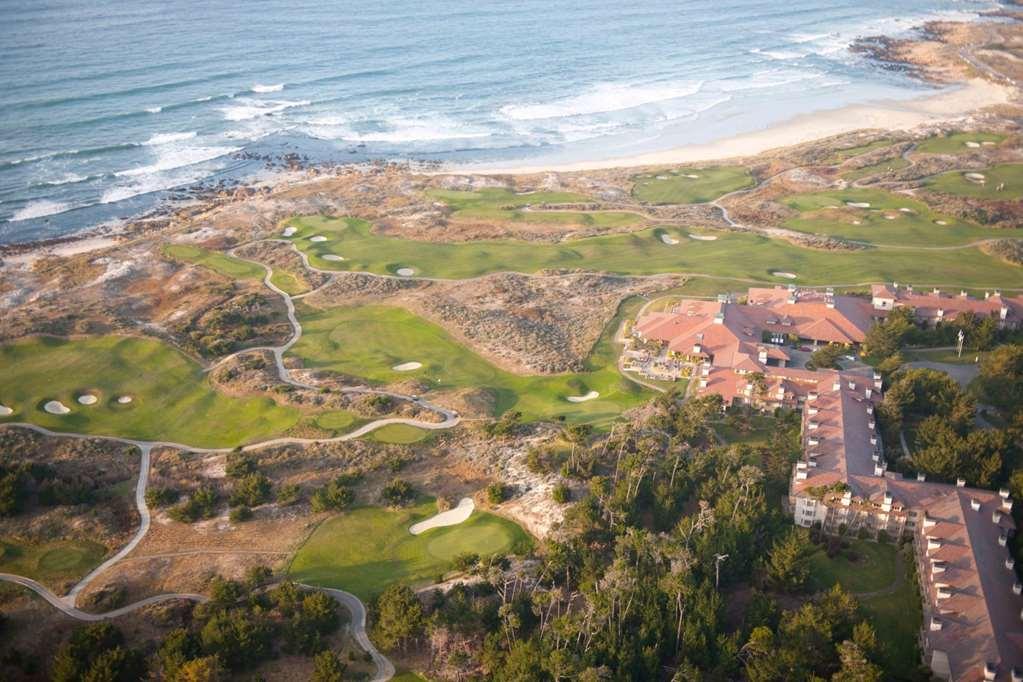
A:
[(172, 399), (956, 143), (737, 255), (690, 185), (881, 167), (368, 341), (398, 434), (366, 549), (228, 266), (53, 562), (1009, 176), (507, 206), (890, 219)]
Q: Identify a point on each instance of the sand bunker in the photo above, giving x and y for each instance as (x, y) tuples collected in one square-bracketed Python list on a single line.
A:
[(56, 407), (988, 143), (691, 176), (289, 231), (582, 398), (940, 222), (669, 240), (332, 257), (405, 272), (858, 204), (703, 237), (662, 177), (87, 399), (318, 238), (451, 517), (407, 366), (857, 222), (124, 399), (906, 210), (975, 177), (973, 145), (890, 217), (786, 275), (5, 411)]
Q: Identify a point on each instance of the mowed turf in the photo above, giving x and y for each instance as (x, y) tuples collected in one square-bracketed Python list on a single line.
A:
[(507, 206), (957, 143), (880, 168), (366, 549), (171, 397), (226, 265), (738, 255), (891, 219), (368, 341), (1008, 177), (398, 434), (51, 563), (690, 185)]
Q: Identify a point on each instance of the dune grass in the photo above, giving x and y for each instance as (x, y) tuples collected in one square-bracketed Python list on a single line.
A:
[(398, 434), (228, 266), (50, 563), (956, 182), (956, 142), (739, 255), (677, 187), (365, 550), (882, 167), (367, 341), (841, 155), (883, 222), (507, 206), (172, 399)]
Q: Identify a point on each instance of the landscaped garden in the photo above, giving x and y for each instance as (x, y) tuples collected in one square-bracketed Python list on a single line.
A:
[(738, 255), (690, 185), (130, 387), (365, 550)]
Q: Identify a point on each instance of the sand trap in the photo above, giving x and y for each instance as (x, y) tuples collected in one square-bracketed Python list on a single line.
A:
[(318, 238), (973, 145), (906, 210), (692, 176), (407, 366), (5, 411), (668, 239), (332, 257), (940, 222), (582, 398), (857, 222), (662, 177), (56, 407), (124, 399), (975, 177), (786, 275), (858, 204), (451, 517), (703, 237), (890, 217), (87, 399), (405, 272), (289, 231), (988, 143)]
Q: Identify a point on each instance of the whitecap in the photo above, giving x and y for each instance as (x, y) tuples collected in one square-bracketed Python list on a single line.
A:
[(154, 110), (250, 108), (39, 209), (399, 130), (267, 88), (68, 179), (167, 138), (178, 157)]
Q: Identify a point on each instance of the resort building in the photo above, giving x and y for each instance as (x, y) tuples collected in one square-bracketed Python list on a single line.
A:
[(934, 306)]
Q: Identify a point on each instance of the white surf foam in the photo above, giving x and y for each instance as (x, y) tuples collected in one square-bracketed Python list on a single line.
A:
[(602, 98), (168, 138), (398, 130), (178, 157), (154, 110), (267, 88), (39, 209), (250, 108)]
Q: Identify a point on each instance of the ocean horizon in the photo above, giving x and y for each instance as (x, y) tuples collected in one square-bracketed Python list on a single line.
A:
[(108, 109)]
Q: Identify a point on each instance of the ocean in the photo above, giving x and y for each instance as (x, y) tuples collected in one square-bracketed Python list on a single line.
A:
[(108, 106)]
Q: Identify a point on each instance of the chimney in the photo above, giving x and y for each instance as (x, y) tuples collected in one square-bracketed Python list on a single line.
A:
[(929, 522), (851, 384), (1003, 539), (812, 425), (944, 592), (1003, 493), (935, 624), (933, 544), (962, 292), (847, 498), (996, 516), (871, 424), (1017, 675), (800, 475), (812, 411), (960, 482), (987, 295), (974, 503), (878, 470), (703, 383), (837, 386), (937, 567), (936, 291), (990, 670), (1017, 588), (1007, 504), (868, 392), (697, 349), (719, 318), (873, 440), (870, 408), (829, 302), (1010, 563), (921, 476), (812, 395), (813, 441), (1003, 312), (941, 313)]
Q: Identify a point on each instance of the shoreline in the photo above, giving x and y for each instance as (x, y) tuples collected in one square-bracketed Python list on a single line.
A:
[(963, 101)]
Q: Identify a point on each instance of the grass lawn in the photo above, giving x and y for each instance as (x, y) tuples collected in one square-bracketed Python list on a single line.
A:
[(730, 255), (505, 205), (956, 142), (956, 182), (368, 548), (864, 567), (897, 618), (894, 164), (399, 434), (367, 341), (946, 355), (883, 222), (228, 266), (288, 282), (678, 187), (172, 399), (762, 427), (51, 563), (841, 155)]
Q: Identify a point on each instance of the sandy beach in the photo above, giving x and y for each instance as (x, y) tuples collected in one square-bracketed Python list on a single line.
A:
[(954, 103)]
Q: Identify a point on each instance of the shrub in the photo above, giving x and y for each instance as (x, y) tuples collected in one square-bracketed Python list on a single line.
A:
[(561, 493), (288, 494), (240, 464), (240, 514), (398, 493), (251, 490), (161, 496), (496, 493), (332, 497)]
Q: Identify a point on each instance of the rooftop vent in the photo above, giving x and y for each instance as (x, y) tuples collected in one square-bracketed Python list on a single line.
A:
[(935, 624)]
